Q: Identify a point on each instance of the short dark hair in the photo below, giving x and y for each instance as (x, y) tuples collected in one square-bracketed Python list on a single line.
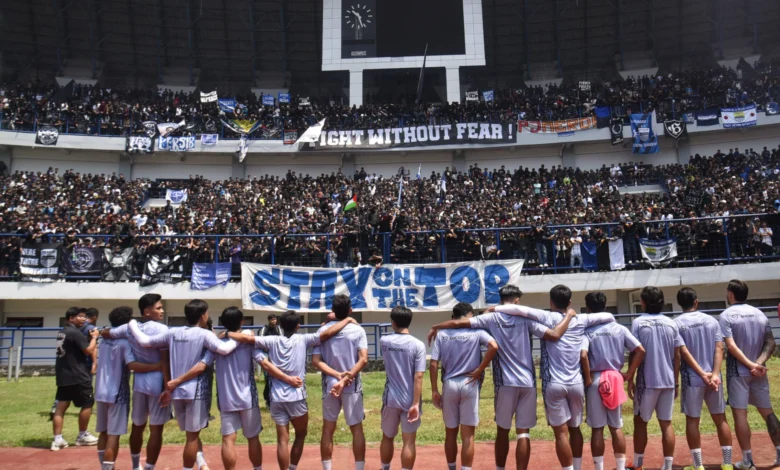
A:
[(148, 301), (341, 306), (72, 312), (194, 310), (509, 292), (120, 316), (560, 296), (596, 301), (461, 309), (92, 312), (290, 321), (686, 298), (739, 289), (272, 317), (653, 298), (401, 316), (231, 318)]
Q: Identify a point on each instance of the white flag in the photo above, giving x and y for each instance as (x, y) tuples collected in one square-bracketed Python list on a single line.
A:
[(617, 259), (312, 134), (658, 253)]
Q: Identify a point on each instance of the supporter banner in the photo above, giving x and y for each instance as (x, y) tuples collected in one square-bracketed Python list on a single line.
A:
[(744, 116), (419, 136), (242, 148), (312, 134), (242, 126), (268, 100), (47, 135), (209, 139), (689, 118), (176, 196), (82, 260), (675, 128), (472, 96), (616, 131), (118, 265), (658, 253), (304, 101), (696, 197), (208, 275), (488, 95), (708, 117), (40, 262), (585, 86), (165, 268), (603, 116), (617, 259), (209, 125), (176, 144), (168, 128), (432, 287), (227, 105), (645, 140), (208, 97), (139, 144), (772, 108), (290, 136), (284, 98), (554, 127), (590, 260)]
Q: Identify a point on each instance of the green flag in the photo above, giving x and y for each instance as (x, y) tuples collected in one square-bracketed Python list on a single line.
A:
[(351, 204)]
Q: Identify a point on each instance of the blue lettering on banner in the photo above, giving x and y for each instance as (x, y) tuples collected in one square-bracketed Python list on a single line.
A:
[(423, 288)]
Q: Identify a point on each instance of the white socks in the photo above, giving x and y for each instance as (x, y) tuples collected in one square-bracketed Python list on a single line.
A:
[(385, 466), (81, 434), (292, 467), (360, 465), (620, 462), (58, 438), (696, 456), (499, 468), (598, 463), (107, 466), (577, 463), (639, 459), (570, 467), (451, 466), (465, 468), (258, 468), (149, 466), (326, 464), (777, 451), (668, 463), (726, 451), (747, 456), (101, 453), (136, 458)]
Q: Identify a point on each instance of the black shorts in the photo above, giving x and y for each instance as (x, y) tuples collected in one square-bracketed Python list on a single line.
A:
[(80, 394)]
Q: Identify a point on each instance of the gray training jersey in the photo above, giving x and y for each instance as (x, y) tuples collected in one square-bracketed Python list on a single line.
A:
[(150, 383), (606, 345), (748, 326), (514, 363), (459, 351), (341, 354), (236, 387), (700, 333), (660, 336), (289, 355), (112, 384), (404, 356)]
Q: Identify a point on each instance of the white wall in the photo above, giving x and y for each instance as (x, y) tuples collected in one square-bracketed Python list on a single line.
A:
[(706, 144), (163, 165), (81, 161), (277, 165)]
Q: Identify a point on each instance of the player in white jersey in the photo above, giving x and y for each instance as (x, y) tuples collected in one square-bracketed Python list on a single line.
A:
[(514, 373), (562, 384), (603, 353), (148, 388), (288, 403), (112, 388), (700, 377), (750, 344), (404, 357), (237, 392), (340, 361), (463, 368)]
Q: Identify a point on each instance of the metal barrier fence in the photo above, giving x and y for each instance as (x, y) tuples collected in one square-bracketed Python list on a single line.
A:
[(38, 345), (709, 241)]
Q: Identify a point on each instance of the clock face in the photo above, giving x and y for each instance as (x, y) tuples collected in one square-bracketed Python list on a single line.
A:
[(358, 16)]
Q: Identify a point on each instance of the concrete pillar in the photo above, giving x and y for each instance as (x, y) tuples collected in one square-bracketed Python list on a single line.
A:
[(453, 84), (238, 170), (356, 88), (623, 298), (126, 166)]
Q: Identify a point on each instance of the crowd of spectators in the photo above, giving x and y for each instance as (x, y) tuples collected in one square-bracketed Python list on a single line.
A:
[(454, 216), (92, 110)]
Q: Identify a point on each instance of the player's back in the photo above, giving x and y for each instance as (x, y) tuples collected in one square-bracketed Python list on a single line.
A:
[(341, 352), (186, 348), (700, 332), (747, 326), (514, 363), (403, 354), (236, 387), (288, 354), (150, 383), (607, 344), (459, 351), (112, 382), (660, 336)]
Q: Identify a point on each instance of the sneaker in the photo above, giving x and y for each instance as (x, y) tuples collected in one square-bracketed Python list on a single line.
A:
[(726, 466), (55, 445), (631, 467), (87, 440), (691, 467), (744, 466)]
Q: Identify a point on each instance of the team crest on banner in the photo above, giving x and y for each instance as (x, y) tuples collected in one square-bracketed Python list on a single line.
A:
[(210, 125), (645, 140), (150, 128), (139, 144), (616, 131), (176, 196), (744, 116), (772, 108), (209, 139), (675, 128), (47, 135)]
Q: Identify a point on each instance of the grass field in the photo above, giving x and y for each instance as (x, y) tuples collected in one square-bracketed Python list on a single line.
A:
[(24, 412)]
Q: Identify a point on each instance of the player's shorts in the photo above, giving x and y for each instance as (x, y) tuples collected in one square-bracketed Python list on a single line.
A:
[(352, 404), (564, 404), (282, 411), (658, 400), (598, 414), (392, 417), (693, 398), (148, 407), (112, 418), (192, 415), (80, 394), (519, 402), (460, 402), (749, 390), (249, 421)]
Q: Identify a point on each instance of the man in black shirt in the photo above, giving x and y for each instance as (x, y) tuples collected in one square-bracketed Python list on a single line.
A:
[(74, 380), (272, 329)]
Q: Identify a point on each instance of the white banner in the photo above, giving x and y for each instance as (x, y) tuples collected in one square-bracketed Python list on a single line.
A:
[(209, 139), (166, 128), (584, 85), (422, 288), (176, 144), (208, 97), (176, 196), (472, 96), (738, 117), (658, 253), (312, 134), (617, 260)]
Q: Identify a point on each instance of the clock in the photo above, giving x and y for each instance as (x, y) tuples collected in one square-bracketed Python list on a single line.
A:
[(359, 16), (358, 28)]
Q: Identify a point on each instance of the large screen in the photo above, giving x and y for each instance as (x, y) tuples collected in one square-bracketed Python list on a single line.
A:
[(401, 28)]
